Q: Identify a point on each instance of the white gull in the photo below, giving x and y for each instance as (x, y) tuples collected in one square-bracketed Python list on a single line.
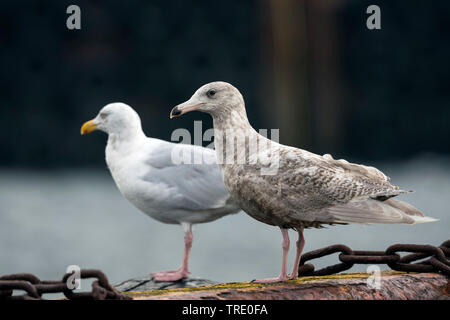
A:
[(148, 173)]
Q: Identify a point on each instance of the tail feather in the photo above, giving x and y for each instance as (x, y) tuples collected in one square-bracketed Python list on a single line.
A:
[(408, 209), (423, 219), (404, 207), (370, 211)]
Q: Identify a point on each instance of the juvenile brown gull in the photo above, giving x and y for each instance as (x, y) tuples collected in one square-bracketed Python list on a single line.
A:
[(295, 188), (148, 174)]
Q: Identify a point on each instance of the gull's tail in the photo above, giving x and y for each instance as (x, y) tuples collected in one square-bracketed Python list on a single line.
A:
[(369, 211), (411, 211), (424, 219)]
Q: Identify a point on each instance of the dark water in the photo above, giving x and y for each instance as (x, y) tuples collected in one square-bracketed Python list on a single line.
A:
[(51, 220)]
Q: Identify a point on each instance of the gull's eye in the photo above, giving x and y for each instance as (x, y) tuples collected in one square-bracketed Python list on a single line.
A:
[(103, 115), (211, 93)]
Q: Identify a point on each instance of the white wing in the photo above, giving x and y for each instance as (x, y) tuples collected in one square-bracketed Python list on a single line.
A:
[(195, 187)]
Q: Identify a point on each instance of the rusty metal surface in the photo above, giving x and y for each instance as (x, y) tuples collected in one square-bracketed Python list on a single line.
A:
[(147, 283), (424, 286)]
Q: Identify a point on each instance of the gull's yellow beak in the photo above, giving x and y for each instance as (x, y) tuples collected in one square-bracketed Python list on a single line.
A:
[(88, 127)]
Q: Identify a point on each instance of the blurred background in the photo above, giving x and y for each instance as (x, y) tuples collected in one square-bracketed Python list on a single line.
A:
[(310, 68)]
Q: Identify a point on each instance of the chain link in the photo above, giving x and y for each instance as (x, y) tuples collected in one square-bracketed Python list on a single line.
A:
[(34, 288), (438, 259)]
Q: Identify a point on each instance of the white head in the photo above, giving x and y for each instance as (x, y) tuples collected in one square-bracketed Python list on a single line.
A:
[(115, 118), (216, 98)]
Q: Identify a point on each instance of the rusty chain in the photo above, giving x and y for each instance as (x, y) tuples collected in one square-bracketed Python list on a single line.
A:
[(438, 259), (34, 288)]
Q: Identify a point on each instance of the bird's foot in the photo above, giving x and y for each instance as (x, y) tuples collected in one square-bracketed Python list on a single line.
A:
[(163, 273), (281, 278), (170, 276), (293, 276)]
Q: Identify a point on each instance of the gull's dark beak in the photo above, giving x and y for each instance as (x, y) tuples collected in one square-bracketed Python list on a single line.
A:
[(175, 112), (183, 108)]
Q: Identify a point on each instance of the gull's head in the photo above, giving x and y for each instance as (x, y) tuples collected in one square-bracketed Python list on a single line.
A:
[(213, 98), (114, 118)]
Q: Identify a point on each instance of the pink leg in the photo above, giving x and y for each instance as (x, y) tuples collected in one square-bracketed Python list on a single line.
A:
[(300, 245), (183, 271), (283, 275)]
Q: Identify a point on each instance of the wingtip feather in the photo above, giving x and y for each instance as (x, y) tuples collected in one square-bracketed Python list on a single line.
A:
[(418, 219)]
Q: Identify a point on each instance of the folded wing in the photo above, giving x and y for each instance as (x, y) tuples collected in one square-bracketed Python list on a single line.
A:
[(193, 186), (352, 193)]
